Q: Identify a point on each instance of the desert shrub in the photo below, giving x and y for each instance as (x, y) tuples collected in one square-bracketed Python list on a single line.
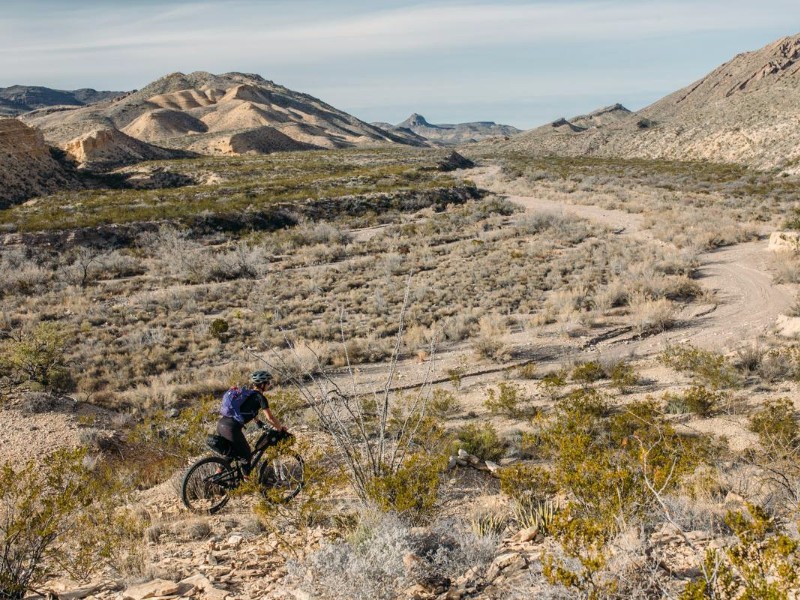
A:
[(444, 403), (749, 358), (488, 343), (763, 562), (776, 424), (373, 559), (623, 375), (793, 220), (481, 440), (61, 516), (521, 480), (38, 356), (410, 491), (507, 400), (710, 368), (491, 347), (553, 382), (588, 372), (22, 273), (780, 364), (527, 371), (698, 400), (608, 464), (651, 316), (323, 475), (218, 328)]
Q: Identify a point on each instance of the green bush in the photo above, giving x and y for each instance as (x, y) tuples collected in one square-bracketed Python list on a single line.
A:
[(508, 400), (776, 424), (762, 564), (412, 490), (443, 403), (623, 376), (481, 440), (38, 356), (589, 372), (553, 382), (703, 401), (62, 517), (709, 368), (517, 481), (218, 329)]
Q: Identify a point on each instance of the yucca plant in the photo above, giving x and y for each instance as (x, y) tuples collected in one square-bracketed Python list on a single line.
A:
[(531, 512)]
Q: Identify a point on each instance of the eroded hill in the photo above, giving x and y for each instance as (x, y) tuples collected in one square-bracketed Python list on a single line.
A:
[(746, 111), (234, 113)]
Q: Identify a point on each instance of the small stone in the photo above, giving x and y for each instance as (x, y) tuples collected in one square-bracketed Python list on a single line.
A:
[(235, 541), (151, 589), (451, 462), (492, 466), (463, 454), (524, 535), (509, 563)]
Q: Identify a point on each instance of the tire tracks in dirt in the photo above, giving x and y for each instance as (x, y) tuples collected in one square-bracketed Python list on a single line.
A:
[(749, 302)]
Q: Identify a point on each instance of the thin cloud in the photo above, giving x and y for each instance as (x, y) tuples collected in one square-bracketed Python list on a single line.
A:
[(228, 29)]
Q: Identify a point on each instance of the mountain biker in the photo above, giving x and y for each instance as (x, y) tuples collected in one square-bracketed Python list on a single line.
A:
[(230, 426)]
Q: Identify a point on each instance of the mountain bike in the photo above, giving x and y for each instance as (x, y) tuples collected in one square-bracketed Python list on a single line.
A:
[(208, 483)]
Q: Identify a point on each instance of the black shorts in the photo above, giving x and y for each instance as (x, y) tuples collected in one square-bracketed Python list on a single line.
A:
[(231, 430)]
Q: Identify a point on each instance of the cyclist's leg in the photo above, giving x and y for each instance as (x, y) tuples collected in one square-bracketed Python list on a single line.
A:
[(231, 430)]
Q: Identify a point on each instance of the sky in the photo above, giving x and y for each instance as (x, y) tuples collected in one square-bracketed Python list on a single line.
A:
[(522, 63)]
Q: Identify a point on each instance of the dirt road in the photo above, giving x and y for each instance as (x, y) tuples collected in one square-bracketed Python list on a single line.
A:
[(749, 302)]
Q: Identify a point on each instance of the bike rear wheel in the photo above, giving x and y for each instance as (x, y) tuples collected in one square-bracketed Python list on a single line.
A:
[(207, 483), (281, 478)]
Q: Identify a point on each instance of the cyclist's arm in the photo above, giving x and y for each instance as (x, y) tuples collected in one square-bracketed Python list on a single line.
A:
[(272, 420)]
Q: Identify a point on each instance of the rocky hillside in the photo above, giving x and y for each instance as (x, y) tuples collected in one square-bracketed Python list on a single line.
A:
[(27, 167), (452, 134), (746, 111), (234, 113), (19, 99)]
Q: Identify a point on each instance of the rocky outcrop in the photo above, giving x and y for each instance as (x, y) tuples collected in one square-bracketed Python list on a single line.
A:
[(27, 167), (746, 111), (784, 241), (102, 148), (453, 134), (453, 162)]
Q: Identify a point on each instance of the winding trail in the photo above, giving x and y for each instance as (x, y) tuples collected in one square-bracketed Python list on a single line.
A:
[(749, 303)]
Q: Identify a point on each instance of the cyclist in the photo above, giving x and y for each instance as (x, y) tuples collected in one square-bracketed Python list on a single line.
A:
[(232, 421)]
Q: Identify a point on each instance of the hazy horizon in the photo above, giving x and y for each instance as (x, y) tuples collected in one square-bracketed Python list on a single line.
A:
[(517, 63)]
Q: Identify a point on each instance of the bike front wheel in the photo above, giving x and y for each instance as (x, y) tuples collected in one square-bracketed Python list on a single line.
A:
[(281, 478), (206, 485)]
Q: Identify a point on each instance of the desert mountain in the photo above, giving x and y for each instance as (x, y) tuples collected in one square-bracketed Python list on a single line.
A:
[(233, 113), (452, 134), (745, 111), (19, 99), (27, 168)]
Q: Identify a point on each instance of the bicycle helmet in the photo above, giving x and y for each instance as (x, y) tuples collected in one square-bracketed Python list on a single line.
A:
[(260, 377)]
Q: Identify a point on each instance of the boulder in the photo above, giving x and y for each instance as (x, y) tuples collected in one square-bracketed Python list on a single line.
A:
[(155, 589), (510, 562), (784, 241), (453, 162)]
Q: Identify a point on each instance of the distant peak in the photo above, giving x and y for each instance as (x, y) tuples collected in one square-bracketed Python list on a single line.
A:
[(415, 120)]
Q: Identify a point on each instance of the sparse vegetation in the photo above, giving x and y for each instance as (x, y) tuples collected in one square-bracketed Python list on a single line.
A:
[(159, 326)]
